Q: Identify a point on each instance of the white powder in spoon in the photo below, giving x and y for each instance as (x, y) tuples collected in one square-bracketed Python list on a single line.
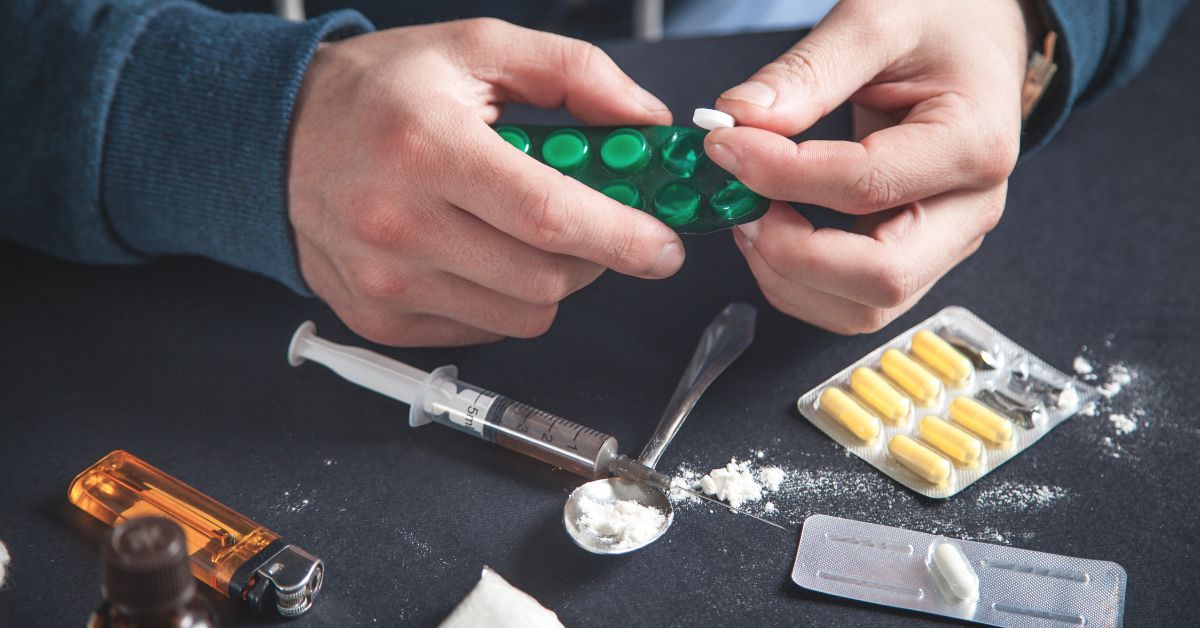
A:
[(621, 523)]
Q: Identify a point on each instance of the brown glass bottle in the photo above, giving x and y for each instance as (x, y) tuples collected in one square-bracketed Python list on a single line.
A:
[(147, 580)]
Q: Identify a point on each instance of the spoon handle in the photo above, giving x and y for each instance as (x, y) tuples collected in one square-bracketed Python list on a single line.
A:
[(725, 338)]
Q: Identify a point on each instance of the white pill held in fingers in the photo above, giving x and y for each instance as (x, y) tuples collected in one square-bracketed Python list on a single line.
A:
[(956, 571), (712, 119)]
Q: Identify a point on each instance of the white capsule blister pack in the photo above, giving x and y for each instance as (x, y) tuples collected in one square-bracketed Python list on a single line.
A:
[(967, 580), (944, 403)]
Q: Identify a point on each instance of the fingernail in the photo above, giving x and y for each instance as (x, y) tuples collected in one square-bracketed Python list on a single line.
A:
[(647, 100), (669, 260), (723, 156), (749, 229), (753, 92)]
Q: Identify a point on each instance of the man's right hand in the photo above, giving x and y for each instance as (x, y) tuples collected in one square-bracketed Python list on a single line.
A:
[(417, 223)]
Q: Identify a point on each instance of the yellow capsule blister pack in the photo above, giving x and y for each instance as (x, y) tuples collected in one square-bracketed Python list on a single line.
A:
[(944, 403)]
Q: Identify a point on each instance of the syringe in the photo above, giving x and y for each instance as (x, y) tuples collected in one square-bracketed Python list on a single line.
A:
[(440, 397)]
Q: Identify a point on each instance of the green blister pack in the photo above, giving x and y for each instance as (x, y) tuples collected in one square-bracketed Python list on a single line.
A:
[(661, 170)]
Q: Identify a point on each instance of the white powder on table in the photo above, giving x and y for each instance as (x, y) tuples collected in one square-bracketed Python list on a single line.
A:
[(771, 478), (1082, 366), (734, 483), (1122, 423), (737, 483), (621, 523)]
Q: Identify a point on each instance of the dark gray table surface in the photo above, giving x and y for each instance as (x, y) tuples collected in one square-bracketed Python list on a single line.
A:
[(182, 362)]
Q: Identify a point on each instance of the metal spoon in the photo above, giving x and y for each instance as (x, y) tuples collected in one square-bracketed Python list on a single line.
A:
[(725, 338)]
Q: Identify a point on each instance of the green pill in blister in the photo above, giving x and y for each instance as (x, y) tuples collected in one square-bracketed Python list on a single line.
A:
[(566, 149), (515, 136), (623, 192), (661, 170), (625, 151)]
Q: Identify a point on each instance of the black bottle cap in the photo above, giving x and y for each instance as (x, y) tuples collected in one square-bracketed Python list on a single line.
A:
[(146, 566)]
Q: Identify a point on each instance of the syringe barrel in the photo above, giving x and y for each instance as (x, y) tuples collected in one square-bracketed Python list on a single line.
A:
[(518, 426)]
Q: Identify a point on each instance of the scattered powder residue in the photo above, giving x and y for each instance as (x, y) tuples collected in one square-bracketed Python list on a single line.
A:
[(1130, 412), (865, 494), (1122, 423), (621, 523), (1119, 376), (1015, 497), (295, 500), (1082, 366)]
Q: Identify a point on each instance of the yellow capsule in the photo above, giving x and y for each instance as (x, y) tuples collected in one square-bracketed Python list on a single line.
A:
[(981, 421), (923, 386), (922, 460), (887, 402), (952, 441), (853, 417), (951, 365)]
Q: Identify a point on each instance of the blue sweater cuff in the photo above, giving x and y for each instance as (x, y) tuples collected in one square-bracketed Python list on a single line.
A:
[(195, 156)]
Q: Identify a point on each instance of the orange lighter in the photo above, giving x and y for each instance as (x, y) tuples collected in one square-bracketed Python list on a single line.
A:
[(228, 552)]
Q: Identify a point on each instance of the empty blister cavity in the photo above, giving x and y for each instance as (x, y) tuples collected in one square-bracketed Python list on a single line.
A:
[(676, 203), (849, 414), (1062, 574), (868, 583), (683, 155), (711, 119), (968, 581), (953, 571), (918, 383), (867, 541), (947, 362), (887, 402), (919, 459), (983, 352), (734, 200), (1025, 413), (981, 421)]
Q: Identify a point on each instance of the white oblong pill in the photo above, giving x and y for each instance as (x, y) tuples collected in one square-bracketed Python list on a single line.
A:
[(956, 571), (712, 119)]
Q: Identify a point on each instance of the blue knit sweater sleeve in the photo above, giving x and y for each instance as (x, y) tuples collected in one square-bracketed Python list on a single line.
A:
[(136, 128), (1104, 43)]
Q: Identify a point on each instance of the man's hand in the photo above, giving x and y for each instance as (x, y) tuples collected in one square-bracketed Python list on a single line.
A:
[(417, 223), (936, 88)]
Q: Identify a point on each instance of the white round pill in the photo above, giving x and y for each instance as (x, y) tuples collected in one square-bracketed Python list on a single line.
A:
[(712, 119)]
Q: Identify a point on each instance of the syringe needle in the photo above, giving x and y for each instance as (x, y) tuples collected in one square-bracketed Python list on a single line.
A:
[(731, 508)]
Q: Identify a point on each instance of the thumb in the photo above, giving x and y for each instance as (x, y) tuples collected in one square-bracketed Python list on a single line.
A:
[(841, 54)]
